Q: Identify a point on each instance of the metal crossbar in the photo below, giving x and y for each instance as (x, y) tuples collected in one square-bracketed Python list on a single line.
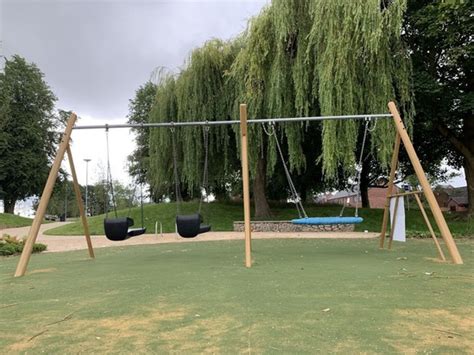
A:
[(235, 122)]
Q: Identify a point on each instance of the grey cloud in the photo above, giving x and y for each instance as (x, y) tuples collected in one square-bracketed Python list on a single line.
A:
[(95, 54)]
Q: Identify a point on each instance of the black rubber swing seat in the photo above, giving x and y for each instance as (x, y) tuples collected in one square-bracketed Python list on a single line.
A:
[(189, 226), (117, 229)]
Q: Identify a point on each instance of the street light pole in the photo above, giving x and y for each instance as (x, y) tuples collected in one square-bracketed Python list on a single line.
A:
[(87, 160), (65, 200)]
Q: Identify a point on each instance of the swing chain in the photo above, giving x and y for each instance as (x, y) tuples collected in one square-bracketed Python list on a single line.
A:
[(109, 178), (359, 166), (175, 170), (294, 194), (205, 173)]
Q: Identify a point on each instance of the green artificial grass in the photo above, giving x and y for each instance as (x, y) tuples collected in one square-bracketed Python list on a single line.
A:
[(8, 220), (222, 215), (301, 296)]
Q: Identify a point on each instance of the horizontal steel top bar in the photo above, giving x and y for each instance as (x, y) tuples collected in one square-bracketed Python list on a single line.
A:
[(231, 122)]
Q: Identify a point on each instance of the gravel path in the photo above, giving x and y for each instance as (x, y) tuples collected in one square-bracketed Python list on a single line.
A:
[(66, 243)]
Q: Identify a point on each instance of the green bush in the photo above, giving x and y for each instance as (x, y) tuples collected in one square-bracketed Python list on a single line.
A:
[(12, 245), (38, 247), (9, 249)]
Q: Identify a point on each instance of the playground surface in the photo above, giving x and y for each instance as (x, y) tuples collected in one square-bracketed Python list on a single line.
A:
[(300, 296), (68, 243)]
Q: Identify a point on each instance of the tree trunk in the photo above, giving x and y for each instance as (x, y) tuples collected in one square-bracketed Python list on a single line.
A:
[(9, 205), (468, 130), (262, 209), (303, 193), (364, 183), (465, 147), (469, 171)]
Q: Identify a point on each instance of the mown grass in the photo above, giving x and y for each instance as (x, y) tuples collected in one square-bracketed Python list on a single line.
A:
[(301, 296), (8, 220), (222, 215)]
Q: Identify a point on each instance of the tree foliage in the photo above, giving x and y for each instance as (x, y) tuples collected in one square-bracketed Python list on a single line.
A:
[(199, 92), (27, 126), (296, 58), (139, 110), (360, 65), (439, 35)]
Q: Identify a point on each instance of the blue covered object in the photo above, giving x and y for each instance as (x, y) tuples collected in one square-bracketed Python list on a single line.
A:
[(328, 220)]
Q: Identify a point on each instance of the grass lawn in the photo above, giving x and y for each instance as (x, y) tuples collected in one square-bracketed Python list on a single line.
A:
[(301, 296), (8, 220), (222, 215)]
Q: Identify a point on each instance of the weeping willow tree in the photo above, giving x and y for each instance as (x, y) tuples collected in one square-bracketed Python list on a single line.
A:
[(360, 64), (160, 166), (271, 77), (296, 58), (199, 92)]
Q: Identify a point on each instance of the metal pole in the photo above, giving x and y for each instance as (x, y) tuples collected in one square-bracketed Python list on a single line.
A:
[(87, 160), (236, 122), (65, 201)]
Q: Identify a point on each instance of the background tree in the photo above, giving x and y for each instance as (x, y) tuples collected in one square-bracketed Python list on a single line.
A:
[(27, 126), (100, 196), (439, 34), (296, 58), (63, 199), (139, 110), (200, 91)]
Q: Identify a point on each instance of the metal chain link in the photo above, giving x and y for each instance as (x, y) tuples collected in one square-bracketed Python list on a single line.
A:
[(205, 173)]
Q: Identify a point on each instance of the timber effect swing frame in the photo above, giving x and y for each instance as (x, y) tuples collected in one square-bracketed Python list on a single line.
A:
[(401, 136), (64, 148)]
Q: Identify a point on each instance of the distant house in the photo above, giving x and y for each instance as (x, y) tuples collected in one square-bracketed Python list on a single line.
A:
[(458, 204), (451, 198), (349, 198), (377, 198)]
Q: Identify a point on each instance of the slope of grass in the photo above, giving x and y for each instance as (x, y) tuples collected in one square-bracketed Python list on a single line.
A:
[(222, 215), (301, 296), (8, 220)]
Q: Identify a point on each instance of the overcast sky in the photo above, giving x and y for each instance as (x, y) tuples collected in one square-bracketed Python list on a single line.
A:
[(95, 54)]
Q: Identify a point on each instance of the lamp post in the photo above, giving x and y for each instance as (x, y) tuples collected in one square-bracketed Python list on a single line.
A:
[(87, 160), (65, 201)]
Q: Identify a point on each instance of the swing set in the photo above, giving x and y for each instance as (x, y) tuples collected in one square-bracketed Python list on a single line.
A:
[(119, 228), (190, 225)]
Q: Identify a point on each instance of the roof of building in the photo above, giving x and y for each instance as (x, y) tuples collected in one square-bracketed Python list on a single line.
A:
[(341, 194), (460, 200)]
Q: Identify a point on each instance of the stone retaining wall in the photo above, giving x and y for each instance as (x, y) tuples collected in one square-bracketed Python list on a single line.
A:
[(287, 226)]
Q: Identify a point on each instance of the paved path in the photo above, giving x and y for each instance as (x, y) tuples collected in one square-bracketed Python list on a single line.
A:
[(65, 243)]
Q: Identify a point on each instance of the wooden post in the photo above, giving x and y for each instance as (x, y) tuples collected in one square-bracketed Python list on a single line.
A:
[(428, 224), (77, 190), (394, 221), (45, 196), (245, 183), (437, 214), (393, 170)]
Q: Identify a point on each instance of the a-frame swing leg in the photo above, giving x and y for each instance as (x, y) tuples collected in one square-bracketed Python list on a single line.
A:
[(77, 190), (430, 228), (44, 200), (427, 191), (394, 222), (393, 169)]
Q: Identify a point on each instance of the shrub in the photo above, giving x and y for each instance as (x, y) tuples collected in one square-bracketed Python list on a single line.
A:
[(38, 247), (8, 249), (12, 245)]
